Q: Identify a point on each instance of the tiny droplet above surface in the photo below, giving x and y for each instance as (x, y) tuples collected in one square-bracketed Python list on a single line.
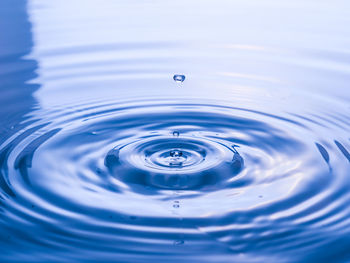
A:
[(179, 78)]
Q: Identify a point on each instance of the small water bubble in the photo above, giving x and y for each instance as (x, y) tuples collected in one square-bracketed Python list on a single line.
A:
[(176, 134), (260, 196), (179, 78)]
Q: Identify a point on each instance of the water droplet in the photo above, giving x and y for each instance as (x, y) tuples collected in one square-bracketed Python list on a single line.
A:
[(176, 134), (175, 153), (179, 78)]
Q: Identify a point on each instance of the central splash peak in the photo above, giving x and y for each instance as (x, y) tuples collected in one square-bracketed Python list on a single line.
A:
[(173, 162), (175, 153)]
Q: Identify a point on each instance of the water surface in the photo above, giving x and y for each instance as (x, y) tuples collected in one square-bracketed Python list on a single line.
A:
[(170, 131)]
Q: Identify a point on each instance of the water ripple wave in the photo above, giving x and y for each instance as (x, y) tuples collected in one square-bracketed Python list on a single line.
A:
[(148, 177)]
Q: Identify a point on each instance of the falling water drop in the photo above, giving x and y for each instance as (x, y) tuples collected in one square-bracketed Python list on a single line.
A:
[(179, 78), (176, 134)]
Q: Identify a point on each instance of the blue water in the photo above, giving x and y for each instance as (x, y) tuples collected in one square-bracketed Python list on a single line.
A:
[(174, 131)]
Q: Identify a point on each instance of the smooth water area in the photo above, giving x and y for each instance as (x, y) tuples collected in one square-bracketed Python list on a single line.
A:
[(174, 131)]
